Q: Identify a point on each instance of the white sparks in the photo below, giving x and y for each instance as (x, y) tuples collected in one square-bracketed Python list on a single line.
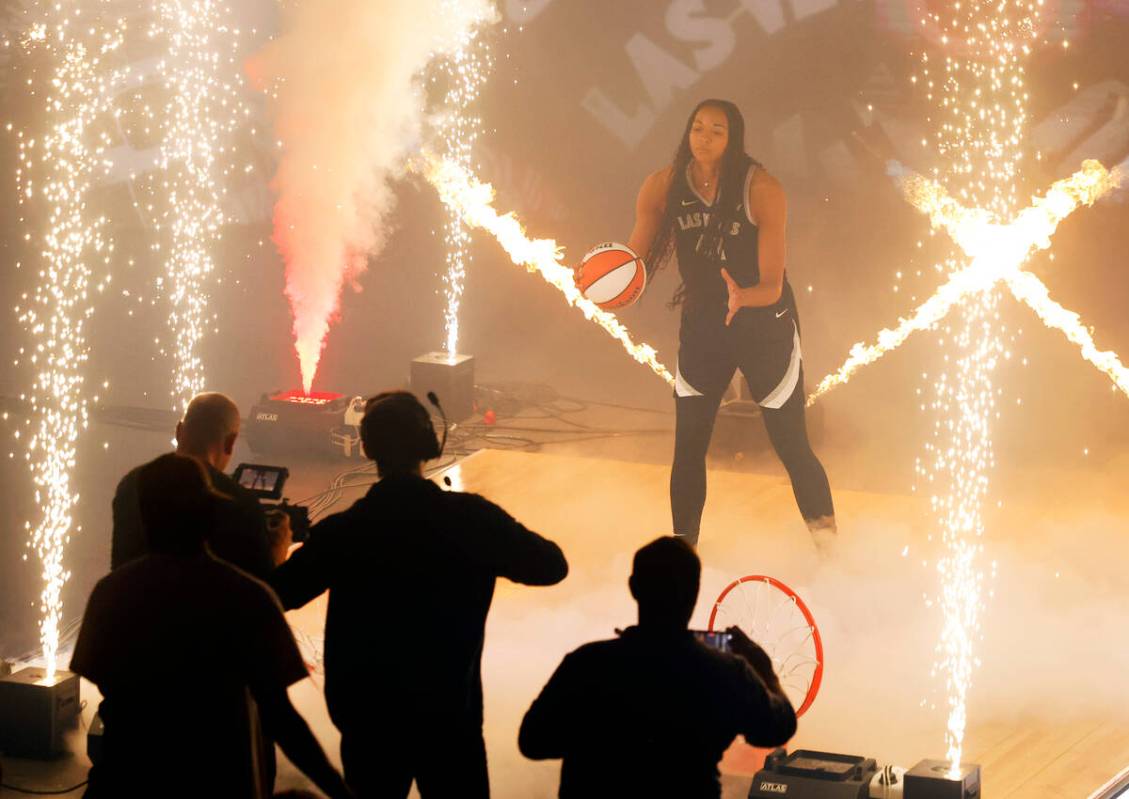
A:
[(54, 178), (459, 188), (201, 110), (464, 72), (983, 103)]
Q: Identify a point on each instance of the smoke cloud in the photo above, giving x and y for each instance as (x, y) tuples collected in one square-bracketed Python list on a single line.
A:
[(343, 81), (1049, 648)]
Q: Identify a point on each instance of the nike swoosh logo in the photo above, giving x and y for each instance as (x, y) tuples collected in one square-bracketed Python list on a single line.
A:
[(782, 313), (688, 202)]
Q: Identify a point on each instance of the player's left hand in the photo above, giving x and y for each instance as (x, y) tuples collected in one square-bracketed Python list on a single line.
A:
[(736, 296)]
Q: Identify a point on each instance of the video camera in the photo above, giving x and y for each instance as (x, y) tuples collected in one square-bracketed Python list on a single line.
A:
[(266, 483)]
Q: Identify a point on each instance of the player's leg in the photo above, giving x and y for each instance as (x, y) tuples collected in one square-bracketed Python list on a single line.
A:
[(693, 426), (771, 360), (787, 430), (705, 367)]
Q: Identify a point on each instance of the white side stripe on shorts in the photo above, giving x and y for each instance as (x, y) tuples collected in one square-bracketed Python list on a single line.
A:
[(681, 387), (779, 395)]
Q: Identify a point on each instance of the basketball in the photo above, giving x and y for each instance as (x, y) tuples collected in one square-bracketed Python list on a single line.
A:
[(612, 276)]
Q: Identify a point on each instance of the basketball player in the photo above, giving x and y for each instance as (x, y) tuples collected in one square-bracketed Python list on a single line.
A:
[(723, 215)]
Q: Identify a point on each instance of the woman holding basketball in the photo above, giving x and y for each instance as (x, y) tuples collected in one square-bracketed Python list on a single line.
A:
[(724, 216)]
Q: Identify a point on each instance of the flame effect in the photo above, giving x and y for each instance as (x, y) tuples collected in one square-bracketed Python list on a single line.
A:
[(473, 200), (57, 173), (998, 253), (465, 73), (983, 100)]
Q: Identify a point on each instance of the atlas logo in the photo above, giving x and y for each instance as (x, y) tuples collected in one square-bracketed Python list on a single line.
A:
[(773, 787), (266, 417)]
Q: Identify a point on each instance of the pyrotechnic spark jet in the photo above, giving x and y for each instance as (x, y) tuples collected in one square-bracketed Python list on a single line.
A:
[(202, 110), (983, 108), (473, 199), (998, 253), (465, 72), (56, 173)]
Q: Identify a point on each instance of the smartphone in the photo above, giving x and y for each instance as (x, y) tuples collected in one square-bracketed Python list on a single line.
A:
[(719, 640)]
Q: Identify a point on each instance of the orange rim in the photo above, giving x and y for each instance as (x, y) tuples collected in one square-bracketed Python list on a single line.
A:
[(817, 675)]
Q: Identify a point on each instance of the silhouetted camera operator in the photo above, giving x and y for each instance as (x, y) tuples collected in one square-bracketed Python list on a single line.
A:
[(651, 713), (240, 534), (410, 570), (179, 642)]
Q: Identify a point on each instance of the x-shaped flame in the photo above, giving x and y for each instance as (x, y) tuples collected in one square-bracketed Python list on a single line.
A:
[(998, 253)]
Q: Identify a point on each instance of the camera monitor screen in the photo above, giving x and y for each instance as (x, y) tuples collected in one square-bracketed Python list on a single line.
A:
[(264, 481)]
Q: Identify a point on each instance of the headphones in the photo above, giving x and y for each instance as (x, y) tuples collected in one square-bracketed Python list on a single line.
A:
[(405, 421)]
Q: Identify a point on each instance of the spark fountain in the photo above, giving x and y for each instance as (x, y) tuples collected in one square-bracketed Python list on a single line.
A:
[(464, 73), (202, 110), (982, 104), (55, 175), (54, 178), (461, 74)]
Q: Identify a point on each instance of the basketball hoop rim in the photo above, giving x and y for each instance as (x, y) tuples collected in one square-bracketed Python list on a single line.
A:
[(817, 676)]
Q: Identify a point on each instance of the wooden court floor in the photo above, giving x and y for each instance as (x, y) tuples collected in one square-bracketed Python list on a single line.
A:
[(1048, 706), (1047, 710), (870, 599)]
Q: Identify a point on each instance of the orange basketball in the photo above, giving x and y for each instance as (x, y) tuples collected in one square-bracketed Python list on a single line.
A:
[(612, 276)]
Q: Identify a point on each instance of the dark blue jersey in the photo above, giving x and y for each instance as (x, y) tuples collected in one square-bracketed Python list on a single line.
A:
[(706, 296)]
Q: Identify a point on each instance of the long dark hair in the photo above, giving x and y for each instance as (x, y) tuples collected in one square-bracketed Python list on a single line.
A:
[(735, 164)]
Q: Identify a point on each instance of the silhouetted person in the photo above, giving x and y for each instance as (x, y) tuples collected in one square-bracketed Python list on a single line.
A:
[(410, 570), (207, 433), (179, 643), (651, 713)]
